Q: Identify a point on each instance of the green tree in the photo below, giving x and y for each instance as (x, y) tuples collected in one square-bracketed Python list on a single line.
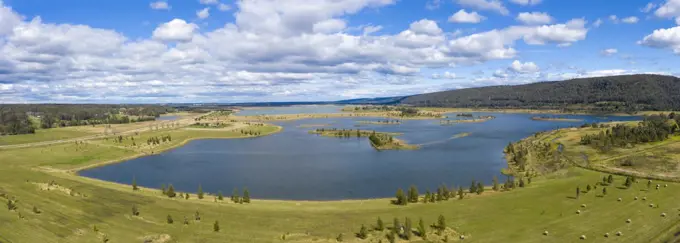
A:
[(427, 196), (197, 216), (200, 192), (220, 196), (588, 188), (629, 182), (396, 226), (460, 192), (528, 180), (135, 211), (186, 196), (441, 223), (473, 187), (407, 228), (235, 195), (379, 226), (413, 194), (495, 184), (339, 238), (401, 198), (134, 184), (170, 221), (480, 188), (363, 232), (422, 231), (578, 192), (604, 191), (610, 179), (246, 195), (216, 226), (171, 191)]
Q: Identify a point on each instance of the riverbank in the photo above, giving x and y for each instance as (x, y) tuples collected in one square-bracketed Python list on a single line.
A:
[(471, 120), (546, 118)]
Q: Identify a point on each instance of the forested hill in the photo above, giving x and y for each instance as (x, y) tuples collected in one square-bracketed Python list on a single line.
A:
[(626, 93)]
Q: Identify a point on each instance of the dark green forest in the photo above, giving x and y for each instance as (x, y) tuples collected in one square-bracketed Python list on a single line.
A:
[(25, 118), (628, 93), (652, 129)]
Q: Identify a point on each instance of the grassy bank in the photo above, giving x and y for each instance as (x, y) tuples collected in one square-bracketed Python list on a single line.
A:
[(379, 140), (74, 206)]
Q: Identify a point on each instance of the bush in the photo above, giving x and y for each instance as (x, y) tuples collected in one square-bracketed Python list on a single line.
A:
[(363, 232), (216, 226), (170, 221)]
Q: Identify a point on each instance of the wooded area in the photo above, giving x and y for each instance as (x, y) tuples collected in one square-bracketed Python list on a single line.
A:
[(628, 93), (25, 118)]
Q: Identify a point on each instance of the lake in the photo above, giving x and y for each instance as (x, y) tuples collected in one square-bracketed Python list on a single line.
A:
[(282, 110), (167, 118), (295, 165)]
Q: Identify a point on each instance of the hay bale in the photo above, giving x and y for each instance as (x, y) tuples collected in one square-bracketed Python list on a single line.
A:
[(651, 205), (644, 198), (583, 205), (665, 185), (636, 198), (462, 237), (578, 211), (545, 233), (619, 233), (663, 214), (619, 199), (628, 221), (606, 235), (583, 237)]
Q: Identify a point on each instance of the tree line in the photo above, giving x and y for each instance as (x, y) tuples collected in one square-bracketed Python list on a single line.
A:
[(652, 129)]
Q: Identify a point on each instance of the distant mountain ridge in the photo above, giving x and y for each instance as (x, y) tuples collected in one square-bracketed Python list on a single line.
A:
[(625, 93)]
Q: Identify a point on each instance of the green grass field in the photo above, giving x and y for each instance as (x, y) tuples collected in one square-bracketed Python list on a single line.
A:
[(41, 135), (75, 205)]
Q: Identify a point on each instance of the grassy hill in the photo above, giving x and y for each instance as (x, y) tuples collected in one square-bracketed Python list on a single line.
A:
[(627, 93)]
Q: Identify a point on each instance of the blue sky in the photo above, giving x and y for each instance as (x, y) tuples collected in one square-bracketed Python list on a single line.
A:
[(137, 51)]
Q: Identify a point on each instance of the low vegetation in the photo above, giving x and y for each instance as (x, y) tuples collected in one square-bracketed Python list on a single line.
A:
[(379, 140)]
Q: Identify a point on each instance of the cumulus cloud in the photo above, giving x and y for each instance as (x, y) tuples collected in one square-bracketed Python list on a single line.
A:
[(444, 75), (526, 2), (209, 2), (597, 23), (464, 17), (527, 67), (488, 5), (175, 30), (270, 50), (630, 20), (159, 5), (614, 18), (670, 9), (534, 18), (433, 4), (223, 7), (648, 8), (203, 13), (664, 39), (609, 52)]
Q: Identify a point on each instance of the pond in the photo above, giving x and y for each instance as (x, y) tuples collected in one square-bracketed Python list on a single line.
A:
[(295, 165), (167, 118)]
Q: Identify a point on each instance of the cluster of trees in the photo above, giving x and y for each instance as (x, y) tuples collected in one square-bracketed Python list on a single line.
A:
[(15, 118), (627, 93), (240, 199), (652, 129), (403, 231), (170, 192), (543, 155), (158, 140), (444, 193), (210, 125), (250, 132), (378, 139), (606, 181)]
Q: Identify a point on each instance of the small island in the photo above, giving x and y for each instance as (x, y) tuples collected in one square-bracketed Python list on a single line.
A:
[(549, 118), (379, 140), (382, 122), (472, 120)]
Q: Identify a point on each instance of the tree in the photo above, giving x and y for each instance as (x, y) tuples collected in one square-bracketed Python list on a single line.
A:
[(235, 195), (473, 187), (460, 192), (610, 179), (339, 238), (521, 182), (246, 195), (578, 192), (170, 221), (427, 196), (363, 232), (396, 226), (480, 188), (401, 198), (186, 220), (413, 194), (171, 191), (379, 226), (422, 231), (220, 196), (407, 228), (163, 190), (528, 180), (186, 196), (604, 180), (134, 184), (197, 216), (441, 223), (604, 191), (495, 183), (200, 192), (36, 210), (216, 226), (629, 182), (649, 184)]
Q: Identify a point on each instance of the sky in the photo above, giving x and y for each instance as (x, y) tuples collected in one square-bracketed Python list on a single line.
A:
[(192, 51)]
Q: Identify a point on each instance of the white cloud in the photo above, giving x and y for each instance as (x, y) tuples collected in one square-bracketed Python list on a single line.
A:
[(8, 20), (609, 52), (223, 7), (677, 20), (175, 30), (670, 9), (648, 8), (209, 2), (490, 5), (597, 23), (203, 13), (527, 67), (614, 18), (433, 4), (330, 26), (425, 26), (526, 2), (159, 5), (464, 17), (630, 20), (664, 39), (445, 75), (500, 74), (534, 18), (370, 29)]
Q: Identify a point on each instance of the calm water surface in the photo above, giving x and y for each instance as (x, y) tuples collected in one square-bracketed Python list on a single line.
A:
[(303, 109), (295, 165), (167, 118)]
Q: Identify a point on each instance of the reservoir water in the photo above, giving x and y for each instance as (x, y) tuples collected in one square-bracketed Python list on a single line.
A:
[(296, 165)]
